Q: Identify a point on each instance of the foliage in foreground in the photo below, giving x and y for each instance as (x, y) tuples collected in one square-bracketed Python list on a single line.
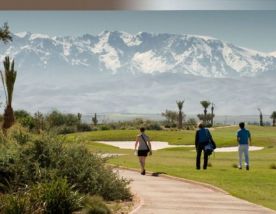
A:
[(44, 174), (95, 205), (54, 197)]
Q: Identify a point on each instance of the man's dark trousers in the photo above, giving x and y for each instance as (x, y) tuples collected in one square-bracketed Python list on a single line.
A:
[(199, 150)]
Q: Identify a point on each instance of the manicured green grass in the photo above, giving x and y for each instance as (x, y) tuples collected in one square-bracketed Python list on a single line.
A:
[(257, 185), (263, 136)]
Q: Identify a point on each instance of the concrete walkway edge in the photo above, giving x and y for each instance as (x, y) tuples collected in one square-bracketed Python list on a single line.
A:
[(180, 179), (209, 186)]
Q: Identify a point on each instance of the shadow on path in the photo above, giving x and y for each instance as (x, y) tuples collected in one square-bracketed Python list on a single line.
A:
[(156, 174)]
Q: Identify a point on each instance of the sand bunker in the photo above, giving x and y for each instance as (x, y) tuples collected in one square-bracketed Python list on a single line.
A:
[(130, 144), (235, 149), (162, 145)]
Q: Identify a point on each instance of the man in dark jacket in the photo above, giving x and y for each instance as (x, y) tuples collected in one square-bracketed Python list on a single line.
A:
[(201, 140)]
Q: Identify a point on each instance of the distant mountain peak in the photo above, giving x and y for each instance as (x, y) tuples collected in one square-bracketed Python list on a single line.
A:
[(273, 53), (144, 52), (22, 34), (39, 36), (117, 71)]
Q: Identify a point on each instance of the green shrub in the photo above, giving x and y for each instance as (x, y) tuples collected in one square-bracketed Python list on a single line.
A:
[(20, 136), (45, 159), (27, 122), (7, 174), (90, 175), (64, 129), (131, 125), (24, 118), (104, 127), (56, 118), (44, 150), (18, 114), (84, 127), (95, 205), (3, 138), (8, 156), (26, 165), (54, 197), (57, 197), (191, 123), (14, 204), (153, 126)]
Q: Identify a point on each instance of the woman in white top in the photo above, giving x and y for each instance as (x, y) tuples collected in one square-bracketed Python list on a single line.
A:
[(144, 148)]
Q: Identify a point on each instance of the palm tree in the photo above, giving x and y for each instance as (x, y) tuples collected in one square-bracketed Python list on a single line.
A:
[(261, 117), (205, 104), (8, 80), (212, 114), (180, 114), (95, 120), (273, 117), (39, 121), (79, 117), (5, 34)]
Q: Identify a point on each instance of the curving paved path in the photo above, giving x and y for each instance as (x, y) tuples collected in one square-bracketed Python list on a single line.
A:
[(163, 195)]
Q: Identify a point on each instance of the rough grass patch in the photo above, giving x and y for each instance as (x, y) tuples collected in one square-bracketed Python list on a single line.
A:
[(272, 166), (13, 204), (234, 165), (95, 205)]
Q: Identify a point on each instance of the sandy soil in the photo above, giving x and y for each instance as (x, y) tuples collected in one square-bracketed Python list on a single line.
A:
[(162, 145), (130, 144)]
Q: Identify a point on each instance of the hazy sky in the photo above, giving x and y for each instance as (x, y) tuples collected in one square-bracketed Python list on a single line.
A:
[(250, 29)]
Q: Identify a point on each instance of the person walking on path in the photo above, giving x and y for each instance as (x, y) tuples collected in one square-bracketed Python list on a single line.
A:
[(202, 138), (244, 140), (144, 148)]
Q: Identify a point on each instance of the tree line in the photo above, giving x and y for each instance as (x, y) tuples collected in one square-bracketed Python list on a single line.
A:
[(177, 118)]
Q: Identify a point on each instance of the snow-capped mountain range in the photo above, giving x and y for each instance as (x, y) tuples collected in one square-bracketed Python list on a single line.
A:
[(141, 73), (148, 53)]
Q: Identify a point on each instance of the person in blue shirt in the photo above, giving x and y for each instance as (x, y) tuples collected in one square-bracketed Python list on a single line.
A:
[(201, 139), (244, 141)]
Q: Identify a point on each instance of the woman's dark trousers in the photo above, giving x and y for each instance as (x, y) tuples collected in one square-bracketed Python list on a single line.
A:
[(199, 150)]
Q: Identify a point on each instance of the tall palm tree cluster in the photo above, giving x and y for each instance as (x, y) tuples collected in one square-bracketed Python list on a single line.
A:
[(261, 117), (5, 34), (273, 117), (8, 79), (208, 119), (180, 113), (174, 118)]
